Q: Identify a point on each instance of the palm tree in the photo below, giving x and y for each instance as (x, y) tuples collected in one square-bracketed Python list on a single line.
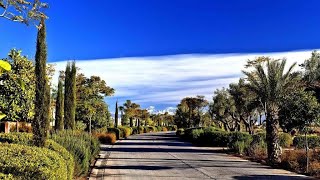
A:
[(270, 85)]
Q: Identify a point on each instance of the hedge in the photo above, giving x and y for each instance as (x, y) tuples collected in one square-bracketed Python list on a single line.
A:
[(313, 141), (6, 176), (180, 132), (106, 138), (125, 131), (82, 146), (117, 131), (26, 139), (30, 162)]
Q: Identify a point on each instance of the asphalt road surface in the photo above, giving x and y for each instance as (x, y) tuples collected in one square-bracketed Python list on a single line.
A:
[(164, 156)]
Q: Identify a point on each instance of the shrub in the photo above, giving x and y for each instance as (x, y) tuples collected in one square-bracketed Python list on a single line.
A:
[(164, 129), (258, 147), (69, 160), (239, 147), (22, 127), (159, 128), (82, 146), (180, 132), (117, 131), (313, 141), (106, 138), (30, 162), (17, 138), (294, 160), (126, 131), (6, 176), (172, 128), (196, 135), (135, 130), (26, 139), (285, 140), (140, 129), (236, 137)]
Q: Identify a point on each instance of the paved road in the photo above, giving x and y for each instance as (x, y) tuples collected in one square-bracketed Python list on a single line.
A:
[(163, 156)]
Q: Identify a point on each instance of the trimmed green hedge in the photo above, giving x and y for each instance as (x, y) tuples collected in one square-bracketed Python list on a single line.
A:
[(313, 141), (82, 146), (17, 138), (117, 131), (26, 139), (30, 162), (6, 176), (125, 131)]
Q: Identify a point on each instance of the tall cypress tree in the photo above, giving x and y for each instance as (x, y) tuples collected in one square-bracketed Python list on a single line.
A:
[(116, 116), (59, 124), (42, 100), (70, 96)]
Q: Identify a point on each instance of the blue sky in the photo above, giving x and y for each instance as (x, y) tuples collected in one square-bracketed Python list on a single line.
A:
[(151, 30)]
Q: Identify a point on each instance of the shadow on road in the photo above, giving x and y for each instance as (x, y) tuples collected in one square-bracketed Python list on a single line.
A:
[(138, 167), (266, 177)]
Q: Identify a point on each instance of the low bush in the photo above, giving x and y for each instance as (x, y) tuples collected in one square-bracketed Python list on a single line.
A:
[(197, 135), (159, 128), (294, 160), (164, 129), (126, 131), (140, 129), (17, 138), (258, 147), (313, 141), (117, 131), (106, 138), (180, 132), (285, 140), (82, 146), (236, 137), (30, 162), (172, 128), (135, 130), (6, 176)]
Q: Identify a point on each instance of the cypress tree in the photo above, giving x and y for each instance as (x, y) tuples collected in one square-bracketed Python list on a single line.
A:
[(42, 100), (70, 96), (116, 116), (59, 124)]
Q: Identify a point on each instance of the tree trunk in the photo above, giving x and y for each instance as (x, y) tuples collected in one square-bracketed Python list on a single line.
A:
[(131, 122), (273, 147)]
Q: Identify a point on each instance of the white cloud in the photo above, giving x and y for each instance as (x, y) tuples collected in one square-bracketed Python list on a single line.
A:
[(167, 79)]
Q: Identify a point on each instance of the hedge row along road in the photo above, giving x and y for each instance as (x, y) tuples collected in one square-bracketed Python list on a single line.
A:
[(163, 156)]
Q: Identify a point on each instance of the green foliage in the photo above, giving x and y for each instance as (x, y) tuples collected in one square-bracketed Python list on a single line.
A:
[(196, 134), (180, 132), (140, 129), (207, 136), (30, 162), (82, 146), (126, 131), (69, 160), (59, 123), (285, 140), (27, 139), (172, 128), (18, 90), (17, 138), (159, 128), (90, 101), (6, 176), (117, 131), (42, 102), (239, 147), (236, 137), (70, 96), (189, 112), (313, 141)]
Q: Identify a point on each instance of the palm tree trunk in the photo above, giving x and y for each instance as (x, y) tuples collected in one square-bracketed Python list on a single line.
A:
[(273, 147), (131, 122)]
